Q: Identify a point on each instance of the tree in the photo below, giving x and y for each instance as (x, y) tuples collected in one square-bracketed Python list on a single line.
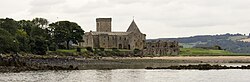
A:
[(41, 22), (7, 42), (32, 37), (66, 31), (26, 25), (9, 25), (23, 40), (38, 46)]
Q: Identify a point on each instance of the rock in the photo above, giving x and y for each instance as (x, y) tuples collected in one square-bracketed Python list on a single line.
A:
[(201, 67)]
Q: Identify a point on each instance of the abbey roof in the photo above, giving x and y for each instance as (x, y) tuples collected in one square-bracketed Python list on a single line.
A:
[(133, 27), (109, 33)]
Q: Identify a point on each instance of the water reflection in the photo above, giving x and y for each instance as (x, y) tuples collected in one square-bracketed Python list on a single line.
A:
[(129, 75), (104, 75)]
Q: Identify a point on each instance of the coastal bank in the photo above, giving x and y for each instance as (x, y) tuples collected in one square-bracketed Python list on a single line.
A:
[(27, 63)]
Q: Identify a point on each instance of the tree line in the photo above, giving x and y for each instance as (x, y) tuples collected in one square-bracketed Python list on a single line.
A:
[(37, 36)]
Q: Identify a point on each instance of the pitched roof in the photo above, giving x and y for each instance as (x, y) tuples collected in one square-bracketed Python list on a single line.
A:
[(133, 27), (109, 33)]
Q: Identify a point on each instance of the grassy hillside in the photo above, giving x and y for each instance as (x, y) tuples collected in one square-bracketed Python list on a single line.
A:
[(229, 42), (245, 40)]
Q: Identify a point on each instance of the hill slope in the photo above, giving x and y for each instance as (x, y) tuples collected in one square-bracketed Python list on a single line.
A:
[(229, 42)]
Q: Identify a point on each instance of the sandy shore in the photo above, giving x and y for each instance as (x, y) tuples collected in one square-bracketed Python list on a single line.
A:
[(192, 59)]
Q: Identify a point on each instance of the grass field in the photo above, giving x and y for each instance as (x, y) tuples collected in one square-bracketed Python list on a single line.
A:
[(208, 52)]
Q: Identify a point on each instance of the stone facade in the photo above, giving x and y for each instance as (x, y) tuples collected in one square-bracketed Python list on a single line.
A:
[(161, 48), (105, 38), (103, 25)]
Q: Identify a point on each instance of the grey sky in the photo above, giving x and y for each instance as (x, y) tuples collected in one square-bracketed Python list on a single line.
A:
[(156, 18)]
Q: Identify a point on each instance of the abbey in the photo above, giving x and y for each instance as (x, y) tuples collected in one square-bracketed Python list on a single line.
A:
[(105, 38)]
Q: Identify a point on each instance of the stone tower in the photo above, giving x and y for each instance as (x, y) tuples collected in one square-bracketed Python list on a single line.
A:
[(103, 24)]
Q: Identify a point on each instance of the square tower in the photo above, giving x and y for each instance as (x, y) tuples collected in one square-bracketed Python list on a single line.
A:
[(103, 24)]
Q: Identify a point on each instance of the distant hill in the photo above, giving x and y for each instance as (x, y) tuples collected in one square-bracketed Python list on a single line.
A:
[(236, 43)]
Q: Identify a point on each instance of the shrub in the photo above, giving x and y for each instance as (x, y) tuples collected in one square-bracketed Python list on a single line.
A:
[(78, 49), (90, 49), (52, 47), (102, 49), (115, 50), (136, 51), (39, 46)]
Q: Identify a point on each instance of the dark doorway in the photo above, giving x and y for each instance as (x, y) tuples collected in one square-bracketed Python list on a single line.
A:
[(129, 47), (120, 46)]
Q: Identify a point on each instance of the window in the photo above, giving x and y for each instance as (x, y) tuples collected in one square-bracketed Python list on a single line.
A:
[(98, 25)]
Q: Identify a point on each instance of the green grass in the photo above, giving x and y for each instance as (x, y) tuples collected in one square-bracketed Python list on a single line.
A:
[(122, 50), (236, 38), (191, 45), (207, 52), (70, 50), (63, 50)]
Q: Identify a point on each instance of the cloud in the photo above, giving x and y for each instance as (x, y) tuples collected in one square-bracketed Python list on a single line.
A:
[(45, 6), (169, 18), (46, 2)]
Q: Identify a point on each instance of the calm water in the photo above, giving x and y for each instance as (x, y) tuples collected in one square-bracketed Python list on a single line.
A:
[(129, 75)]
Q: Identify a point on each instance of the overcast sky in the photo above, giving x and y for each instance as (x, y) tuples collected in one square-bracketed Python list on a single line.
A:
[(156, 18)]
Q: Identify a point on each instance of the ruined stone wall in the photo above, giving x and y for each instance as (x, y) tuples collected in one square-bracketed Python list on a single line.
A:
[(88, 40), (162, 48), (122, 42), (137, 40), (107, 41), (103, 41), (112, 41)]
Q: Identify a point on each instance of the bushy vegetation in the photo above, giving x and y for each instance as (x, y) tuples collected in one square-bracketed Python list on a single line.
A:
[(37, 36)]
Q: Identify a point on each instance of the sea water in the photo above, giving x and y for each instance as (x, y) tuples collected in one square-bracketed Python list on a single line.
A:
[(129, 75)]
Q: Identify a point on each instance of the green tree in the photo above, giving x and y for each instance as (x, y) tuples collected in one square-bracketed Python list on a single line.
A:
[(38, 45), (39, 42), (23, 40), (66, 31), (41, 22), (7, 42), (32, 37), (9, 25), (26, 25)]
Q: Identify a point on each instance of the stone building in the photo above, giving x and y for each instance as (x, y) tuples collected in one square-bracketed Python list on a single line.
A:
[(161, 48), (105, 38)]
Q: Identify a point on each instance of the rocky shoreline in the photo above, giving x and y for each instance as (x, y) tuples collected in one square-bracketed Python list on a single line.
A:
[(17, 63), (202, 67)]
